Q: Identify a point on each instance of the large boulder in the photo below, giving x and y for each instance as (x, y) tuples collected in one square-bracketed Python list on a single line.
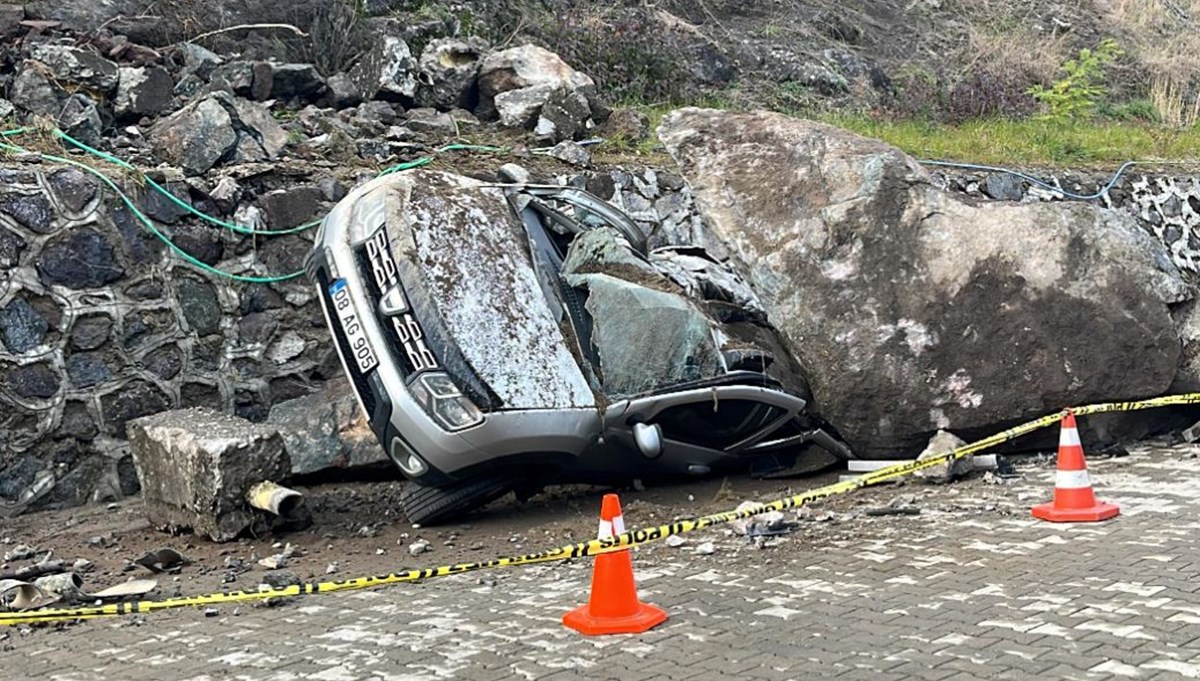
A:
[(516, 84), (913, 310)]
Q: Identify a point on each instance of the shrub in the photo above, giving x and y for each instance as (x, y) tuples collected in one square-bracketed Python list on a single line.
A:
[(1077, 93)]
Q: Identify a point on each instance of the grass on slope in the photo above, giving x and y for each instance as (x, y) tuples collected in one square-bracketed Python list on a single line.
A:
[(1029, 142)]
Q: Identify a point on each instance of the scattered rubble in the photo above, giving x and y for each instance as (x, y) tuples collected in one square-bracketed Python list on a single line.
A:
[(19, 552)]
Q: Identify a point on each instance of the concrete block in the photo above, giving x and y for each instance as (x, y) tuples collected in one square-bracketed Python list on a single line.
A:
[(196, 466)]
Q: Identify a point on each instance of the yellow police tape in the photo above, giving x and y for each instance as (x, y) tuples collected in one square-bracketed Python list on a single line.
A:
[(595, 546)]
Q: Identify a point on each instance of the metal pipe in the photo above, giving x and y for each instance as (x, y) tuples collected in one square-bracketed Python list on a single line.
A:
[(276, 499)]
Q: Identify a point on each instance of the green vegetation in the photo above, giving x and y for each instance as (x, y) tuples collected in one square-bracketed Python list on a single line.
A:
[(1036, 142), (1079, 90)]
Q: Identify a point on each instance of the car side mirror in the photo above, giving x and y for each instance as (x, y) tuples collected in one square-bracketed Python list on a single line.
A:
[(648, 437)]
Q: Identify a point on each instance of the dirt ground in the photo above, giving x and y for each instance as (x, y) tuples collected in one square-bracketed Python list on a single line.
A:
[(358, 529)]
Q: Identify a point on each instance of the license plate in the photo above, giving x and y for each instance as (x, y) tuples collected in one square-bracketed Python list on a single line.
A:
[(360, 347)]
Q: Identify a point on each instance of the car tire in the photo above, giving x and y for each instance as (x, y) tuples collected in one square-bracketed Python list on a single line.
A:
[(432, 505)]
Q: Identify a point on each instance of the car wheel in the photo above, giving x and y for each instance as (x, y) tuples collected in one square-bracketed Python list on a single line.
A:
[(431, 505)]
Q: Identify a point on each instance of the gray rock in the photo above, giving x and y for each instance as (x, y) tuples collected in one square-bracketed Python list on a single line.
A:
[(165, 362), (33, 381), (296, 80), (81, 119), (216, 129), (91, 332), (11, 247), (386, 71), (32, 211), (943, 443), (73, 188), (1003, 186), (235, 77), (908, 307), (196, 465), (199, 305), (6, 108), (79, 259), (447, 71), (161, 208), (33, 90), (260, 130), (520, 108), (380, 112), (431, 121), (87, 369), (326, 430), (570, 152), (21, 327), (342, 91), (199, 61), (197, 137), (292, 207), (72, 65), (11, 17), (566, 115), (257, 327), (522, 67), (143, 91), (200, 240), (77, 422), (132, 401)]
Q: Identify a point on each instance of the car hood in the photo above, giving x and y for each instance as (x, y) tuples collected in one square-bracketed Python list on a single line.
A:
[(473, 256)]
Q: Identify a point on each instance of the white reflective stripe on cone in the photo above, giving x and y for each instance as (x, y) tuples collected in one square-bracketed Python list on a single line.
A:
[(606, 530), (618, 525), (1069, 438), (1072, 479)]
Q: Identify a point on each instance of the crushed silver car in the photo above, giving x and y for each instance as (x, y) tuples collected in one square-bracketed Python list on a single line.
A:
[(501, 336)]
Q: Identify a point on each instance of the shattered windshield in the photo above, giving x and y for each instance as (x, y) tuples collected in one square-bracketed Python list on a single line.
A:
[(645, 333)]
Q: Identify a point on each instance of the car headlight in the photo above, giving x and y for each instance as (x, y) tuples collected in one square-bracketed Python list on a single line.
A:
[(442, 400)]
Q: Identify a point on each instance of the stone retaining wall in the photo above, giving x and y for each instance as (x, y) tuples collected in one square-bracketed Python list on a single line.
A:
[(1167, 205), (100, 324)]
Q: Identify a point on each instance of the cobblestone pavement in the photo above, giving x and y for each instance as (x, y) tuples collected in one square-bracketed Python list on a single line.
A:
[(970, 588)]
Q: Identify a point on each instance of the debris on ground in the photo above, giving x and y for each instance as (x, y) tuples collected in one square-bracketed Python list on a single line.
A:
[(941, 444), (418, 547), (706, 549), (675, 541), (19, 552), (280, 580), (163, 560)]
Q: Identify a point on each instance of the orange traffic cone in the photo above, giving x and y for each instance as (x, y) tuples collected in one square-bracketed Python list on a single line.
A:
[(614, 607), (1074, 501)]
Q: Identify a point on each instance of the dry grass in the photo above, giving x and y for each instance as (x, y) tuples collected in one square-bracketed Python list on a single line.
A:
[(1162, 36), (1023, 51), (1177, 106)]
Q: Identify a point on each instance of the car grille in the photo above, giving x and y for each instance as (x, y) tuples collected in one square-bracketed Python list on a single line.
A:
[(406, 340)]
